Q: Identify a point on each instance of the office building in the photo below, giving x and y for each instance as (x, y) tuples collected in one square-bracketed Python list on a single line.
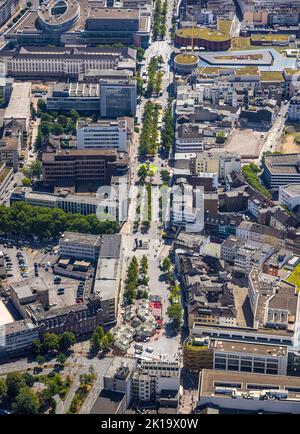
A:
[(234, 392), (80, 246), (18, 337), (102, 135), (117, 98), (249, 357), (281, 169), (83, 166), (289, 195)]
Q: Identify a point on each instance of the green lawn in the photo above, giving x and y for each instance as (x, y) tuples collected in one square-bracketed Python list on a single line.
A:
[(295, 277)]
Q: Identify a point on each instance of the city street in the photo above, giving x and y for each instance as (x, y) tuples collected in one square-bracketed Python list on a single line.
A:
[(165, 342)]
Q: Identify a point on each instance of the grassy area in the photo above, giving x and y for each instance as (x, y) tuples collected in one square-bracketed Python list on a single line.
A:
[(271, 76), (208, 35), (224, 26), (244, 43), (269, 38), (247, 70), (295, 277), (186, 58)]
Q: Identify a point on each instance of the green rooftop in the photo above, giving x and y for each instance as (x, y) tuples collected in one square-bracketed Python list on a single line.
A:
[(208, 35), (186, 58), (269, 37)]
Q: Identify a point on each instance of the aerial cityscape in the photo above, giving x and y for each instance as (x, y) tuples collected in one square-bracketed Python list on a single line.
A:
[(149, 207)]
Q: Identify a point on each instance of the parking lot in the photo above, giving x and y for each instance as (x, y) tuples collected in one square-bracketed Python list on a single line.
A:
[(25, 262)]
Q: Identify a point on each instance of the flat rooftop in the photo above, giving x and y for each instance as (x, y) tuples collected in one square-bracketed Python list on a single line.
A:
[(283, 164), (210, 379), (292, 189), (248, 348), (19, 103), (78, 238), (114, 13), (5, 315)]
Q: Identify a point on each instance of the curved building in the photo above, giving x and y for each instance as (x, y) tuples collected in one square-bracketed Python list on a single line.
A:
[(211, 40), (58, 16), (185, 63)]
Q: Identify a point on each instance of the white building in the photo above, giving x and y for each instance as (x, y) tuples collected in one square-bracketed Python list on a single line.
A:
[(294, 109), (249, 357), (102, 135), (247, 391), (80, 246), (289, 195), (19, 105), (152, 378), (222, 163)]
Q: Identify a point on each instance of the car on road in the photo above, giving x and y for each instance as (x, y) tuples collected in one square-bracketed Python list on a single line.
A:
[(149, 350)]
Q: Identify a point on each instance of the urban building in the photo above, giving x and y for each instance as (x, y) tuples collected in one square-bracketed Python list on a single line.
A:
[(281, 169), (234, 392), (10, 145), (84, 22), (7, 10), (6, 175), (80, 246), (117, 98), (108, 276), (289, 195), (294, 109), (19, 105), (222, 163), (18, 337), (102, 135), (83, 166), (153, 381), (262, 234), (250, 357), (32, 62)]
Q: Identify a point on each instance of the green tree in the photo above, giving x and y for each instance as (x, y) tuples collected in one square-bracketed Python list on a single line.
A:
[(14, 383), (174, 312), (36, 346), (61, 358), (29, 379), (40, 359), (36, 169), (3, 391), (165, 176), (26, 402), (42, 105), (166, 265), (50, 342), (144, 264), (26, 182), (96, 339), (66, 340)]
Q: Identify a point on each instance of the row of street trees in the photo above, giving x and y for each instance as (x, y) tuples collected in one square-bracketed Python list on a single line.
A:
[(155, 76), (159, 19), (167, 134), (25, 220), (136, 276), (149, 134)]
